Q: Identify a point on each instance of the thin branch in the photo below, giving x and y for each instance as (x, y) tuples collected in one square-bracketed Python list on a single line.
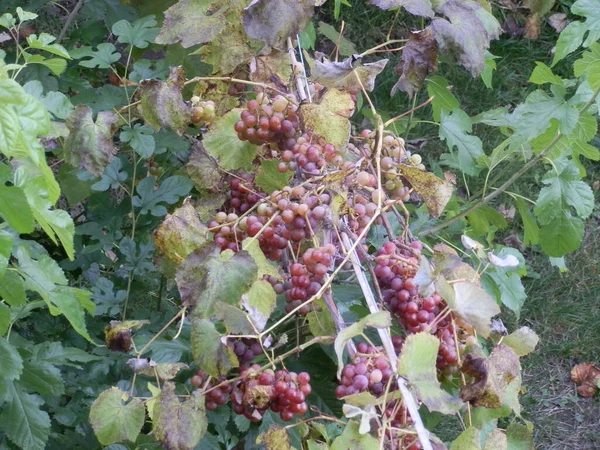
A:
[(69, 20), (410, 111)]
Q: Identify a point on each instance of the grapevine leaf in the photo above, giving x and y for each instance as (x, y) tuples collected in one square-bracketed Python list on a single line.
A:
[(467, 32), (416, 7), (419, 59), (523, 341), (482, 219), (202, 168), (589, 65), (273, 21), (164, 371), (474, 305), (467, 440), (434, 191), (4, 324), (11, 363), (417, 364), (233, 318), (496, 440), (512, 291), (41, 377), (573, 35), (264, 266), (330, 118), (491, 377), (45, 42), (141, 139), (443, 100), (260, 302), (112, 177), (561, 236), (103, 58), (351, 439), (343, 75), (6, 243), (346, 48), (222, 142), (89, 145), (114, 420), (191, 22), (454, 129), (275, 438), (180, 233), (320, 322), (519, 437), (269, 179), (380, 319), (15, 209), (273, 69), (23, 421), (211, 355), (530, 226), (169, 191), (178, 425), (161, 102), (207, 276), (140, 33), (543, 74)]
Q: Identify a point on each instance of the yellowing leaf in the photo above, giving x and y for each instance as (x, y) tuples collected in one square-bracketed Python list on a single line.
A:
[(330, 118), (434, 191)]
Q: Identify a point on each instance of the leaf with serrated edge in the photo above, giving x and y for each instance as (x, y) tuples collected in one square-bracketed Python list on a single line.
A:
[(211, 355), (419, 59), (269, 178), (417, 364), (264, 266), (454, 129), (113, 420), (351, 439), (474, 305), (467, 440), (523, 341), (203, 168), (11, 363)]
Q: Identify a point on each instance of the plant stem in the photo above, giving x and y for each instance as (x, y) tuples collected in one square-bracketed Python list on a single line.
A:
[(162, 330), (68, 22)]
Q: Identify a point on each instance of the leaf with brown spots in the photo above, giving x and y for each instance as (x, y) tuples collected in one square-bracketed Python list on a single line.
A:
[(330, 118), (276, 438), (419, 59), (343, 75), (180, 233), (434, 191)]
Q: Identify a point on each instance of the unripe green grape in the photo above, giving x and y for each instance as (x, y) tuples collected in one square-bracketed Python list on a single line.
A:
[(377, 195), (221, 217), (416, 159), (390, 185), (195, 99)]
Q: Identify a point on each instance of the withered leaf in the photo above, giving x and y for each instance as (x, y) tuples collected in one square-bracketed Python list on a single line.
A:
[(274, 69), (434, 191), (276, 438), (202, 168), (419, 59), (161, 102), (587, 376), (117, 335), (416, 7), (89, 144), (330, 118), (343, 75)]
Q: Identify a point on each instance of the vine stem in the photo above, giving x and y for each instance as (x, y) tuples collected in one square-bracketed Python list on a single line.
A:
[(162, 330), (410, 111), (386, 340), (69, 20), (488, 198)]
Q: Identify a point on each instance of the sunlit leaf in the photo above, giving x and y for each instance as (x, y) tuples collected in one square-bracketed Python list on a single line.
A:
[(116, 417)]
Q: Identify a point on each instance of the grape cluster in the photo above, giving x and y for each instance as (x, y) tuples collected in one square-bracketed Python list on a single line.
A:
[(281, 391), (265, 120), (246, 349), (203, 111), (369, 371), (362, 211), (236, 89), (215, 397), (308, 153)]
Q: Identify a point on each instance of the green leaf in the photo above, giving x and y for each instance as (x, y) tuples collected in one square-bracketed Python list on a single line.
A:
[(351, 439), (443, 99), (169, 191), (269, 179), (320, 322), (346, 48), (590, 66), (11, 363), (24, 16), (222, 142), (161, 102), (141, 139), (519, 437), (454, 129), (207, 276), (530, 226), (4, 324), (467, 440), (139, 33), (381, 319), (103, 58), (417, 364), (543, 74), (138, 263), (180, 233), (523, 341), (211, 355), (467, 33), (9, 128), (561, 236), (89, 145), (112, 176), (23, 421), (41, 377), (15, 209), (488, 71), (573, 35), (12, 289), (45, 42), (474, 305), (260, 302), (330, 118), (73, 188), (512, 291), (6, 243), (114, 420), (264, 265)]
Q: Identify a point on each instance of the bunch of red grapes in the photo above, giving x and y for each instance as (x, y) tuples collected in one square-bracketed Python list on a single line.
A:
[(309, 154), (215, 397), (246, 349), (265, 120), (369, 371), (281, 391)]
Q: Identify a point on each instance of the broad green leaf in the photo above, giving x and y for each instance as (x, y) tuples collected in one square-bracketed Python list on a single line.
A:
[(417, 364), (222, 142), (6, 243), (12, 289), (10, 129), (7, 20), (141, 139), (346, 48), (136, 262), (161, 102), (381, 319), (519, 437), (112, 177), (169, 191), (589, 65), (56, 65), (512, 291), (45, 42), (115, 417), (488, 71), (22, 420), (144, 69), (573, 35), (103, 58), (233, 318), (561, 236), (11, 363), (269, 179), (140, 33), (483, 218), (89, 145), (320, 322), (330, 118), (15, 209), (467, 440), (264, 265), (474, 305), (466, 34), (351, 439), (4, 324), (416, 7), (211, 355), (41, 377), (523, 341), (11, 93), (443, 99), (543, 74), (191, 22), (73, 188), (180, 233), (530, 226), (454, 129), (207, 276), (24, 16)]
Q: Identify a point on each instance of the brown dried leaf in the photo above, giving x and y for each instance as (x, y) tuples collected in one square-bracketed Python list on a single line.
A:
[(202, 168), (558, 21), (342, 75), (434, 191), (276, 438), (274, 70), (587, 375), (419, 59), (117, 335)]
